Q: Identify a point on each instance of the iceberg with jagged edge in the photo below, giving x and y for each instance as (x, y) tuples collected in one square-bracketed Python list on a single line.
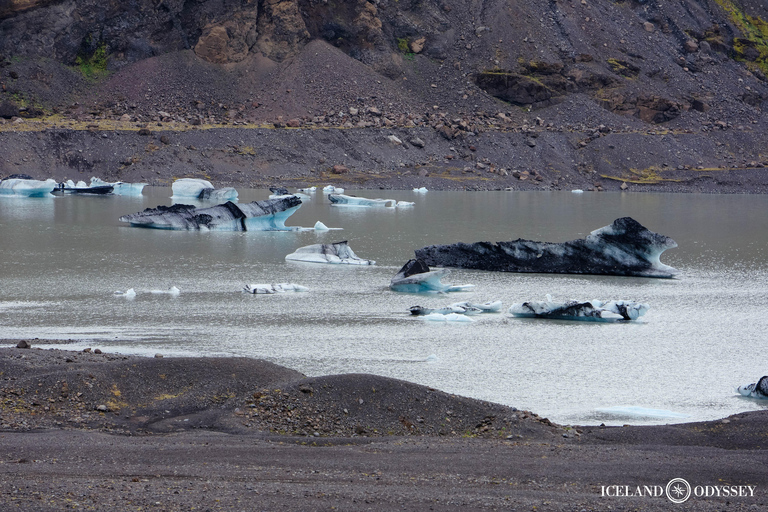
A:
[(22, 185), (593, 310), (757, 389), (339, 253), (623, 248), (203, 190), (416, 277), (269, 215)]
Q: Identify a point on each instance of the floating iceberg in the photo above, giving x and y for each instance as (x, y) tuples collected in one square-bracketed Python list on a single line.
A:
[(128, 294), (319, 226), (577, 191), (459, 308), (421, 190), (267, 215), (345, 200), (22, 185), (595, 310), (201, 189), (450, 317), (270, 288), (415, 277), (120, 188), (624, 248), (173, 291), (330, 189), (336, 253), (309, 190), (81, 187), (757, 389)]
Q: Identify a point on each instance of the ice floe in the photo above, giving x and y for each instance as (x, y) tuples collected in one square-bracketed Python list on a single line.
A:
[(594, 310), (335, 253), (416, 277), (269, 215), (271, 288)]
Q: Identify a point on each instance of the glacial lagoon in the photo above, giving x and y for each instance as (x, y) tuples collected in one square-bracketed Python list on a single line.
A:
[(64, 257)]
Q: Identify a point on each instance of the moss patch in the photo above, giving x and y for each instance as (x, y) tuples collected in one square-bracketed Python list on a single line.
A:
[(752, 48)]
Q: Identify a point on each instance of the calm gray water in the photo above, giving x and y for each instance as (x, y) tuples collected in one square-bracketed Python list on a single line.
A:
[(63, 257)]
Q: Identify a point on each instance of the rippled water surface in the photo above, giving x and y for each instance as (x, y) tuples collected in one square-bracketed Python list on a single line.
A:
[(63, 257)]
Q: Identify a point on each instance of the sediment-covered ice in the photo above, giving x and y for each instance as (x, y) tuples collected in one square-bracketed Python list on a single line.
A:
[(346, 200), (271, 288), (269, 215), (21, 185), (330, 189), (460, 308), (202, 190), (757, 389), (334, 253), (416, 277), (624, 248), (308, 190), (594, 310)]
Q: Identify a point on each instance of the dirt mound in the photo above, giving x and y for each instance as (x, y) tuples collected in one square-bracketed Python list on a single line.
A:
[(53, 388)]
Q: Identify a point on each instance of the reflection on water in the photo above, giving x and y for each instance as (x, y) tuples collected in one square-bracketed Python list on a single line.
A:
[(64, 257)]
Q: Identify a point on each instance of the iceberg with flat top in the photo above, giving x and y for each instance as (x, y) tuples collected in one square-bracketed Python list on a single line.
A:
[(623, 248), (450, 317), (347, 200), (594, 310), (416, 277), (757, 389), (272, 288), (120, 188), (202, 190), (269, 215), (338, 253), (22, 185), (459, 308)]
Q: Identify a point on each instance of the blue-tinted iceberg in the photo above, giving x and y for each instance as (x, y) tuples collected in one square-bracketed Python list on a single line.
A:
[(267, 215), (347, 200), (336, 253), (120, 188), (757, 389), (623, 248), (22, 185), (594, 310), (202, 190), (271, 288), (416, 277)]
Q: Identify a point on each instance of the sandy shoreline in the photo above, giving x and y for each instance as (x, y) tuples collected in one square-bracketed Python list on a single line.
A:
[(112, 432)]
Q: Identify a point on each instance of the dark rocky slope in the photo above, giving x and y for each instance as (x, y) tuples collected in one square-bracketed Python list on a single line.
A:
[(688, 74)]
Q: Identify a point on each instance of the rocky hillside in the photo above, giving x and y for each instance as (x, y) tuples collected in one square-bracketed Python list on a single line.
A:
[(592, 67)]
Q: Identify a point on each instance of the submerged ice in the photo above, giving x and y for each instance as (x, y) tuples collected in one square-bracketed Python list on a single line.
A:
[(269, 215), (624, 248), (594, 310), (416, 277), (339, 253)]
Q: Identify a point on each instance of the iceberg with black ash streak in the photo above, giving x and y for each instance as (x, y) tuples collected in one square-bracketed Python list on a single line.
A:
[(757, 389), (623, 248), (267, 215), (593, 310), (338, 253), (272, 288), (416, 277)]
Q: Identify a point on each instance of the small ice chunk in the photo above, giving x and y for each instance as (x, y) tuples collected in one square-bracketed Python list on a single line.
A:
[(401, 204), (334, 253), (577, 191), (173, 291), (319, 226), (346, 200), (129, 293), (757, 389), (271, 288), (330, 189), (450, 317), (309, 190), (485, 307), (202, 190), (415, 277), (420, 190)]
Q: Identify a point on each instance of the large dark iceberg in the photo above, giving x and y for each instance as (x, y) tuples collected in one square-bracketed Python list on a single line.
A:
[(267, 215), (624, 248)]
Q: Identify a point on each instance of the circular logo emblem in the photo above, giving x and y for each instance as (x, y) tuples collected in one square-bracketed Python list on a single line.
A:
[(678, 490)]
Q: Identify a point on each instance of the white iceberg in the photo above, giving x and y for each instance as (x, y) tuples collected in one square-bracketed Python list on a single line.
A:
[(22, 185), (447, 310), (335, 253), (270, 288), (415, 277), (309, 190), (757, 389), (81, 187), (202, 190), (267, 215), (128, 294), (577, 191), (330, 189), (346, 200), (485, 307), (451, 317), (173, 291), (594, 310), (420, 190), (319, 226)]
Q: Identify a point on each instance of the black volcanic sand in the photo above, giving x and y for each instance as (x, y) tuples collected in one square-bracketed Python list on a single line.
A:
[(93, 431)]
